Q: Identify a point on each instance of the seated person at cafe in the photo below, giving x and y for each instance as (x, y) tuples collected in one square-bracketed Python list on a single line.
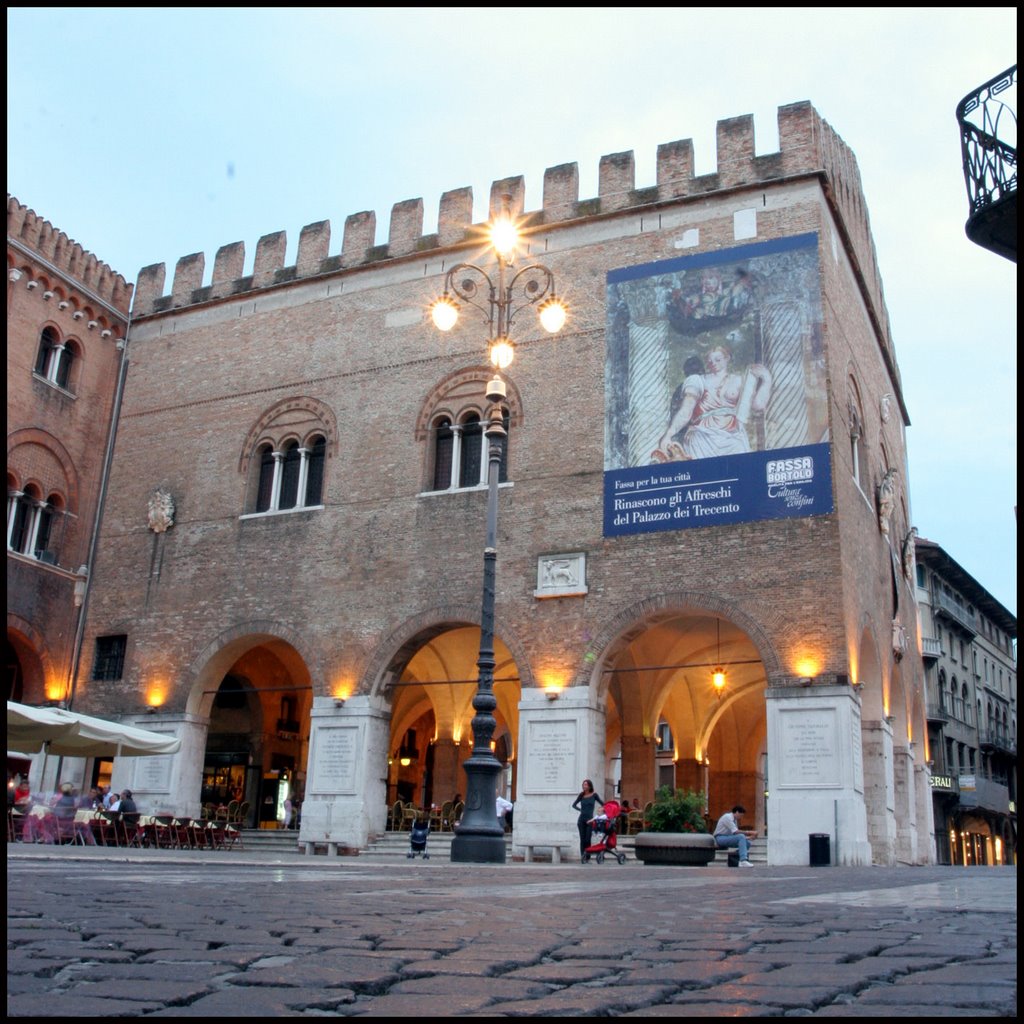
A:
[(65, 810), (128, 806)]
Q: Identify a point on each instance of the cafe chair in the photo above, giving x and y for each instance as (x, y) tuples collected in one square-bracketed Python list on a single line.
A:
[(106, 827), (131, 833), (215, 836), (67, 833), (446, 816), (395, 816)]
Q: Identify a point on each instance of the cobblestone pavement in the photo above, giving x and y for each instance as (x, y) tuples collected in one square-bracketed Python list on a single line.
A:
[(99, 932)]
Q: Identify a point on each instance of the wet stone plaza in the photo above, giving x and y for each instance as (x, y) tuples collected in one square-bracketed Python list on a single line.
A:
[(99, 932)]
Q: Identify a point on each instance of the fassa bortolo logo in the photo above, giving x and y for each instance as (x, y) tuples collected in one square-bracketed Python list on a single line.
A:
[(790, 471)]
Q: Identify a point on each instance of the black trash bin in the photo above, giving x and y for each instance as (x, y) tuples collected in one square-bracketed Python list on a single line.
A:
[(820, 854)]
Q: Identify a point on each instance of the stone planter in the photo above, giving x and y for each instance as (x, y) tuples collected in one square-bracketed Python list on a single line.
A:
[(688, 849)]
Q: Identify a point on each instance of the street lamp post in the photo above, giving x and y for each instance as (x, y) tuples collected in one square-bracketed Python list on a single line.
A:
[(480, 838)]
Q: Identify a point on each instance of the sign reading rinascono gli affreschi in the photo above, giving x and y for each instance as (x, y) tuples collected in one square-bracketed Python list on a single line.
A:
[(716, 403)]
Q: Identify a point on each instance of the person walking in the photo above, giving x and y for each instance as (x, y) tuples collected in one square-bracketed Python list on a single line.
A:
[(728, 834), (585, 804)]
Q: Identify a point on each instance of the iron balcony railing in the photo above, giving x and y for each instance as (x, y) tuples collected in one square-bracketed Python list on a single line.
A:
[(988, 143), (997, 739), (942, 602)]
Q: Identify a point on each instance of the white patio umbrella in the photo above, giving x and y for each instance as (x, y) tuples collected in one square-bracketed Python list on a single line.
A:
[(67, 733)]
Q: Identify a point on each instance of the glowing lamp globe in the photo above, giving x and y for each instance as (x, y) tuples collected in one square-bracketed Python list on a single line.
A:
[(444, 313), (552, 315)]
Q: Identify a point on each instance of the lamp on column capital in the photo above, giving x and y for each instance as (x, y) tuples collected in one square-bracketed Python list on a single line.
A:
[(499, 293)]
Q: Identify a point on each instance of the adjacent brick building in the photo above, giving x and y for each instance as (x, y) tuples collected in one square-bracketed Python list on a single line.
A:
[(67, 314), (289, 570)]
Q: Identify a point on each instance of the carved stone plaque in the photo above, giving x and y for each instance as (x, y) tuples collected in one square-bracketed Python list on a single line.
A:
[(562, 575), (550, 757), (809, 747), (334, 759)]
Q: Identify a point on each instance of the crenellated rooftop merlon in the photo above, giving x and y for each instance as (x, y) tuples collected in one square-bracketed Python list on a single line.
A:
[(807, 145), (32, 233)]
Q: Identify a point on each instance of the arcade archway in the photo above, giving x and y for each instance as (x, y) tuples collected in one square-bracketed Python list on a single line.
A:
[(256, 695), (432, 710), (667, 723)]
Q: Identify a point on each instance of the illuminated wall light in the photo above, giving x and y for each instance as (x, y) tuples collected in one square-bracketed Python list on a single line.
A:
[(54, 690), (808, 667)]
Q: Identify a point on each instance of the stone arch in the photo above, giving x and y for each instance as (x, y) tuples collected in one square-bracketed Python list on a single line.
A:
[(56, 451), (636, 618), (455, 394), (290, 417), (395, 650), (36, 664), (224, 650)]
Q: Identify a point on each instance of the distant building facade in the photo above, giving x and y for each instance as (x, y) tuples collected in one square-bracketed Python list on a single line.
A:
[(705, 469), (968, 643), (67, 314)]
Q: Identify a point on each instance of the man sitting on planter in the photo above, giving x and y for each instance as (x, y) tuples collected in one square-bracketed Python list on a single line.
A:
[(729, 834)]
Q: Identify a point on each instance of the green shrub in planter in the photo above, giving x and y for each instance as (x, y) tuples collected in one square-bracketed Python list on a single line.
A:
[(675, 832), (680, 810)]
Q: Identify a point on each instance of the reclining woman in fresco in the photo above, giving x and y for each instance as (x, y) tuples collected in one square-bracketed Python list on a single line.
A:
[(714, 410)]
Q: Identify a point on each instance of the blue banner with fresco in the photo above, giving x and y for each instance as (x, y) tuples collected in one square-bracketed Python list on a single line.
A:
[(716, 401)]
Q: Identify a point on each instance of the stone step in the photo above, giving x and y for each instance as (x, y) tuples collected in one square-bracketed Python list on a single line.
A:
[(395, 845)]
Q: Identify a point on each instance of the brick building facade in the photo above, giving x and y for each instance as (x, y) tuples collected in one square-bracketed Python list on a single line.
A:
[(67, 315), (304, 604)]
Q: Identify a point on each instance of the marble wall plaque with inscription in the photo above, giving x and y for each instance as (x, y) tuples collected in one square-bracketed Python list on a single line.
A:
[(809, 747), (334, 759), (153, 774), (550, 757)]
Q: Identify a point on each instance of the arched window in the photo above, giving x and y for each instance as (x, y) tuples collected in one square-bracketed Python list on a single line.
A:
[(444, 454), (265, 488), (452, 425), (48, 341), (32, 524), (462, 453), (315, 476), (284, 459), (20, 508), (290, 476), (55, 358), (471, 460)]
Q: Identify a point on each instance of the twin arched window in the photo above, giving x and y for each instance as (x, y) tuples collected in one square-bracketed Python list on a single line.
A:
[(30, 523), (55, 358), (461, 453), (292, 477)]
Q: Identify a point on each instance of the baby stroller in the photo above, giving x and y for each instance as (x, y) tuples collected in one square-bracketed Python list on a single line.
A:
[(603, 830), (418, 839)]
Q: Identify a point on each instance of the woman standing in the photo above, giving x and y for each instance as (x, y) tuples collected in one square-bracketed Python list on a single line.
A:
[(585, 804)]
